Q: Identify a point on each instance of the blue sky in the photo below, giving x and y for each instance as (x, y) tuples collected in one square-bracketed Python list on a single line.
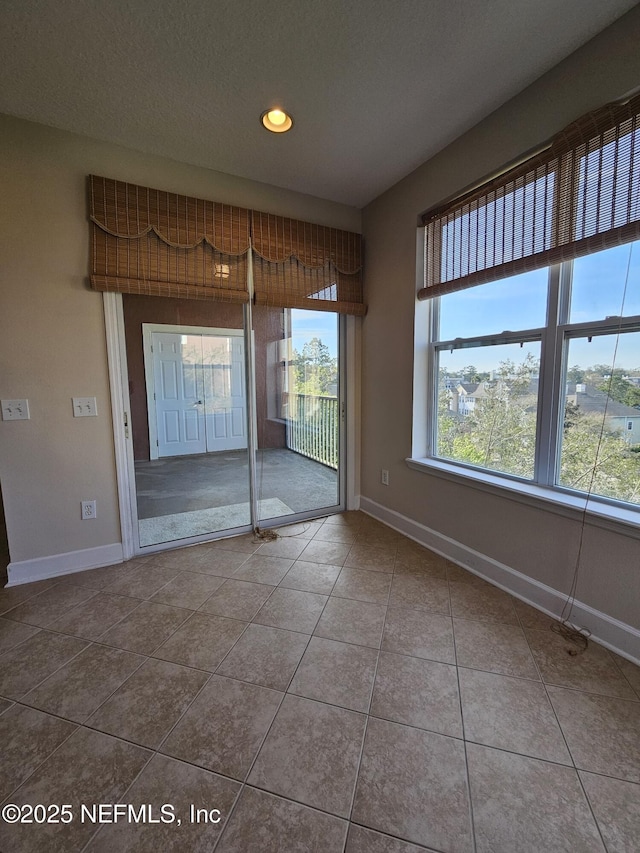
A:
[(598, 292), (306, 325)]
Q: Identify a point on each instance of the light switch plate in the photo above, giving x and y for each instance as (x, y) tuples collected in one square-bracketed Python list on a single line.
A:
[(84, 407), (15, 410)]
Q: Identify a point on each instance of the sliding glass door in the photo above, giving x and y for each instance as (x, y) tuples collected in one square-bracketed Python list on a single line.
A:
[(215, 409), (299, 424), (188, 410)]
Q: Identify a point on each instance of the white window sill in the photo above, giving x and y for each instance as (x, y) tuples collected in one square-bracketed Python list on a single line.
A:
[(596, 512)]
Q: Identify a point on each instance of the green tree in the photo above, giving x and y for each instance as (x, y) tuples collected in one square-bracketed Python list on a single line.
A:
[(500, 431), (315, 369), (598, 460), (575, 374), (620, 389)]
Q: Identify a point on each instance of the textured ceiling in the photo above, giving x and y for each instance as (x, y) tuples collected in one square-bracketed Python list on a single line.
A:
[(375, 86)]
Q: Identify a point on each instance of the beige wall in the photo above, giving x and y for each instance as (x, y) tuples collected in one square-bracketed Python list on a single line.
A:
[(52, 326), (537, 543)]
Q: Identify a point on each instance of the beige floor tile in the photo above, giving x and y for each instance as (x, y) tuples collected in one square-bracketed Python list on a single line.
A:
[(311, 577), (288, 547), (311, 755), (414, 557), (482, 603), (5, 704), (601, 731), (379, 537), (150, 703), (144, 581), (89, 768), (525, 805), (494, 648), (43, 609), (630, 671), (352, 622), (269, 824), (329, 553), (352, 518), (337, 673), (512, 714), (13, 633), (363, 585), (413, 784), (12, 596), (420, 592), (166, 780), (265, 570), (26, 665), (460, 575), (107, 575), (265, 656), (224, 728), (91, 619), (180, 558), (202, 641), (302, 530), (188, 589), (530, 617), (335, 533), (423, 635), (237, 599), (221, 562), (592, 670), (361, 840), (370, 558), (83, 684), (145, 628), (616, 806), (292, 610), (417, 692), (246, 543), (27, 738)]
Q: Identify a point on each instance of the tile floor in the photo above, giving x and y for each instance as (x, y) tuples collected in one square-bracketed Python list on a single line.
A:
[(338, 689)]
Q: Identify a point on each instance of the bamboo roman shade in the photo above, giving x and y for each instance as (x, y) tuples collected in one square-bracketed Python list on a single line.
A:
[(157, 243), (579, 195), (300, 265)]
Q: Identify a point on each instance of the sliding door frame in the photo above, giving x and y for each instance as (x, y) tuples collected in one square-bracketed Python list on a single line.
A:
[(349, 341)]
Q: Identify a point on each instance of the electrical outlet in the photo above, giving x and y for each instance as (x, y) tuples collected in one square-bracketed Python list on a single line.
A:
[(84, 407), (384, 477), (15, 410), (88, 510)]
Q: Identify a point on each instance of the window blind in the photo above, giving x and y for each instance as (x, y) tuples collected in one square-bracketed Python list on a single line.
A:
[(300, 265), (580, 195), (156, 243)]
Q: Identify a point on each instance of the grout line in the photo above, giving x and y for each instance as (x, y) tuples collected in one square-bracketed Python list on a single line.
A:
[(472, 826)]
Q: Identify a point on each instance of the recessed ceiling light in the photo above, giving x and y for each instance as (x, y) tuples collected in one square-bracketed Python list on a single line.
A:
[(277, 121)]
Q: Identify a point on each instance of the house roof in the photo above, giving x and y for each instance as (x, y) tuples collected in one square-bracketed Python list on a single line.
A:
[(370, 84), (595, 401)]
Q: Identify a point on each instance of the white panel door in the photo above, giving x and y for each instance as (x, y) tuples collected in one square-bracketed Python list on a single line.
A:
[(179, 394), (225, 395)]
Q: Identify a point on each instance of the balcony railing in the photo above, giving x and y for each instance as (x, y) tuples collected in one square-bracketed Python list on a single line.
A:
[(313, 427)]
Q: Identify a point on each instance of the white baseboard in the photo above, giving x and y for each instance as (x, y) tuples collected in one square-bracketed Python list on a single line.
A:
[(63, 564), (615, 635)]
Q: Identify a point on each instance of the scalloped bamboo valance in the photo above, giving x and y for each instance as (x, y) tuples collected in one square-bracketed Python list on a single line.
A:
[(157, 243)]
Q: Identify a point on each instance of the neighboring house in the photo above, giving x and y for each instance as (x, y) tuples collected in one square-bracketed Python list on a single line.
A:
[(620, 417)]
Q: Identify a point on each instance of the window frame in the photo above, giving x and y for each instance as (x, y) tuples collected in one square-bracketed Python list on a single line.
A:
[(554, 339)]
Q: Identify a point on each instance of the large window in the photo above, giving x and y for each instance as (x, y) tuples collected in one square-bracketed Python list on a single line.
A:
[(537, 376), (533, 286)]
